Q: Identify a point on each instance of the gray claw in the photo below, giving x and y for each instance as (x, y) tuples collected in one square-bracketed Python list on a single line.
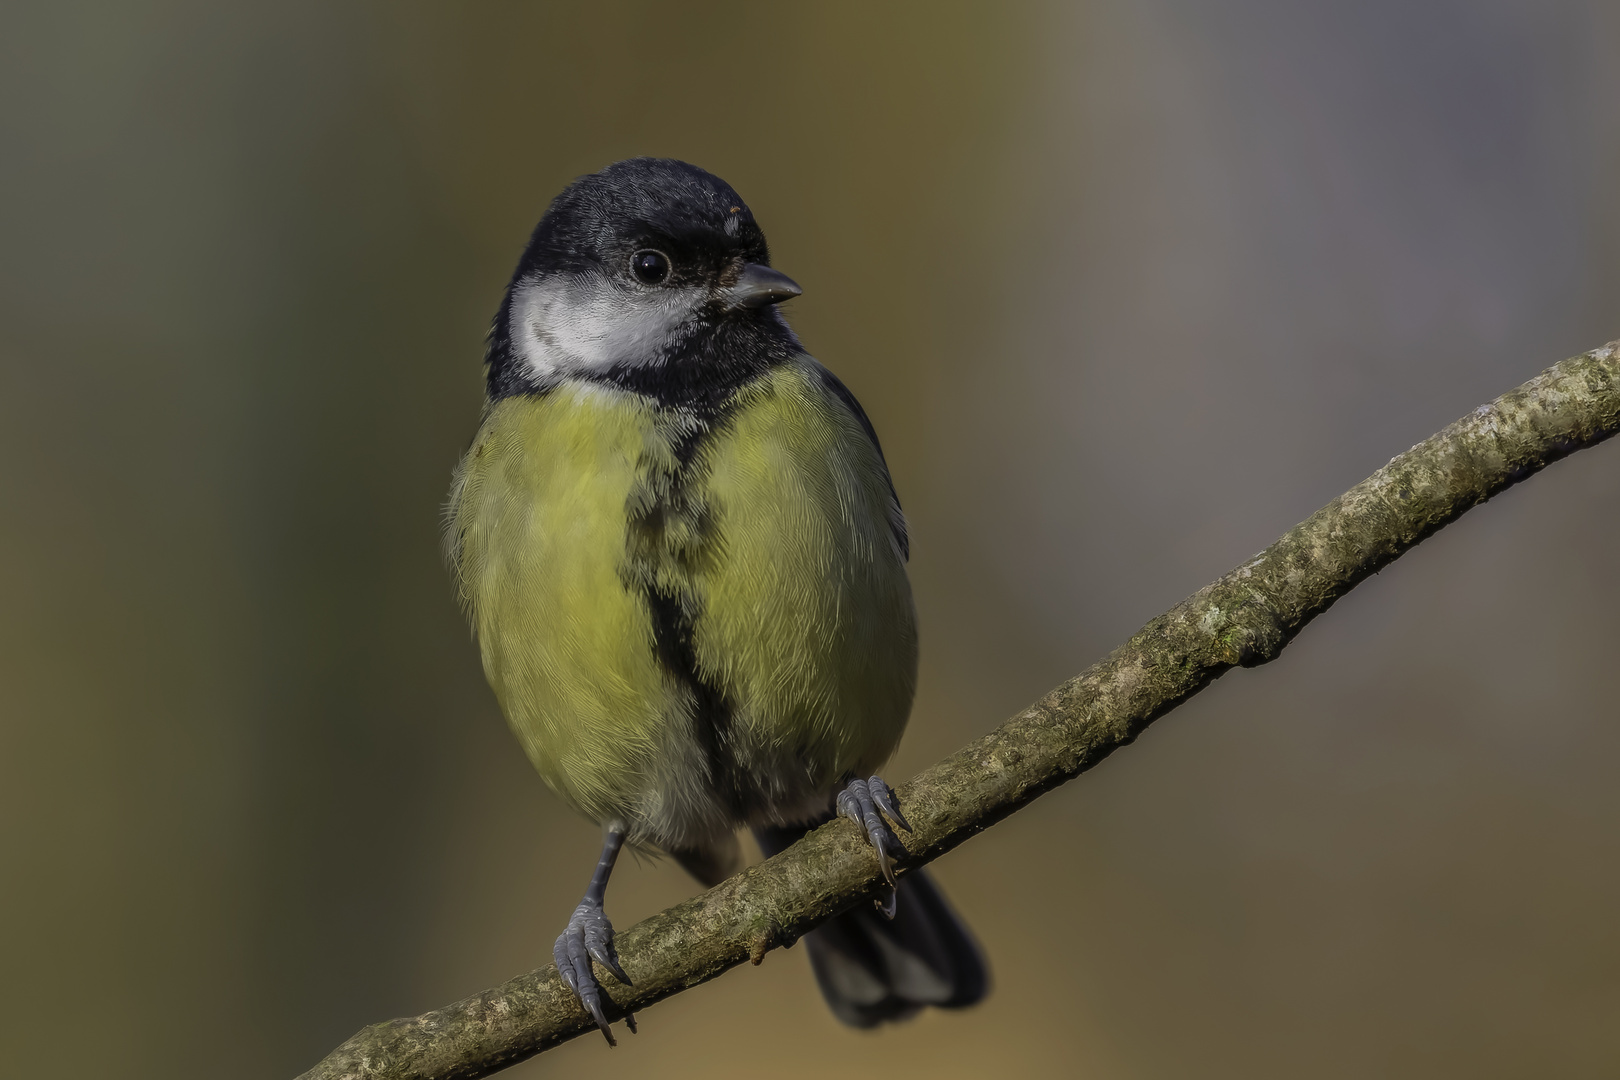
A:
[(883, 796), (861, 801), (589, 935), (604, 955)]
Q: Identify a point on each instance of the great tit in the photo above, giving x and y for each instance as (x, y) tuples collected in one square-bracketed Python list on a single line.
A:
[(681, 554)]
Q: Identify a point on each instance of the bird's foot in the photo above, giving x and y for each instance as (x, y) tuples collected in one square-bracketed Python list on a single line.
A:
[(867, 803), (590, 936)]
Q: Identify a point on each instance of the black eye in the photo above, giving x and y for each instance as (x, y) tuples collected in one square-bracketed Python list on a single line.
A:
[(650, 267)]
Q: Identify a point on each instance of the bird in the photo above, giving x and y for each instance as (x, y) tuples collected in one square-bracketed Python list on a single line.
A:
[(677, 542)]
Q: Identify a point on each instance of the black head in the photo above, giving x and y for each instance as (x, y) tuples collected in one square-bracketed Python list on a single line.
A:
[(647, 274)]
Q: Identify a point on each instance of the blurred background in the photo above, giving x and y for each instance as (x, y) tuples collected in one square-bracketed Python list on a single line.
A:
[(1128, 287)]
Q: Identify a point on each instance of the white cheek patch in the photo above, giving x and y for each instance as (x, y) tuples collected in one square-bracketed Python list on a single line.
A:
[(579, 325)]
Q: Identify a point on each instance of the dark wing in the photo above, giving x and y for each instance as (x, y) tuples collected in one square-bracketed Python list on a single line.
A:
[(897, 517)]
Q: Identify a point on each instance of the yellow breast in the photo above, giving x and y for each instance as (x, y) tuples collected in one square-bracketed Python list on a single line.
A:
[(691, 620)]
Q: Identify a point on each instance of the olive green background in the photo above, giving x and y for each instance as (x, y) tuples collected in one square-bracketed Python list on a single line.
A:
[(1127, 287)]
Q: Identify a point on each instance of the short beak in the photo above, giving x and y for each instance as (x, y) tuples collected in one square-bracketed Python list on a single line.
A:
[(760, 285)]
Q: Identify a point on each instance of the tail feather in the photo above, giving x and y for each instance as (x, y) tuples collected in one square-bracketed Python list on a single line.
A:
[(872, 969), (713, 863)]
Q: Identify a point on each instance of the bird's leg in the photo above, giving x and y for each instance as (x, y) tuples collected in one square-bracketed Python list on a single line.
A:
[(867, 803), (590, 936)]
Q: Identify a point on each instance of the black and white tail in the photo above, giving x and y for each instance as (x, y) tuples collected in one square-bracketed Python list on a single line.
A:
[(872, 969)]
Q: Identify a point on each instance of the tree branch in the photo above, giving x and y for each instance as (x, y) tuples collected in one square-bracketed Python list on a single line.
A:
[(1244, 619)]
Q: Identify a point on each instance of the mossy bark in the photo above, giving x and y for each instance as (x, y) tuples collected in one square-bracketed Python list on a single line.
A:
[(1244, 619)]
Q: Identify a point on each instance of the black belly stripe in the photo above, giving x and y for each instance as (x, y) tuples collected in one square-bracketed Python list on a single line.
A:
[(712, 711), (674, 611)]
